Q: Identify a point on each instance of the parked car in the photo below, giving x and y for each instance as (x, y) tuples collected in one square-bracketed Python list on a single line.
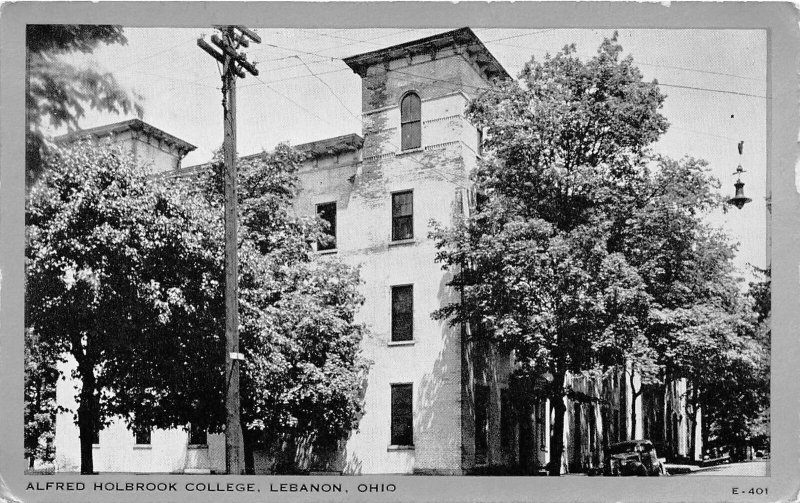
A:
[(633, 458)]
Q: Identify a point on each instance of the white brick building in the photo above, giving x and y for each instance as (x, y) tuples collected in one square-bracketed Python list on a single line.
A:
[(429, 391)]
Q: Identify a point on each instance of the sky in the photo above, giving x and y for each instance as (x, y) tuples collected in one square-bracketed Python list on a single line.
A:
[(715, 82)]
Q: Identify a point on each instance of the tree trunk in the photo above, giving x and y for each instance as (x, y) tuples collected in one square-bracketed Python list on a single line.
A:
[(557, 438), (249, 454), (665, 418), (287, 457), (635, 394), (528, 445), (703, 429), (87, 414), (692, 442)]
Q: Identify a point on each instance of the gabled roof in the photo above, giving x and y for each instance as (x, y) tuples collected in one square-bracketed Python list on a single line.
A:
[(462, 37), (129, 125)]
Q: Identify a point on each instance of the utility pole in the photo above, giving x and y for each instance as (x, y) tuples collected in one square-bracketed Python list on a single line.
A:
[(232, 38)]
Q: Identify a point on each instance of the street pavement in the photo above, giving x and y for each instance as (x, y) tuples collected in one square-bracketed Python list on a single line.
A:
[(758, 468)]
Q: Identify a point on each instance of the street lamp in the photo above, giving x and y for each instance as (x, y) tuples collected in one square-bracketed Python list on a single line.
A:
[(739, 199)]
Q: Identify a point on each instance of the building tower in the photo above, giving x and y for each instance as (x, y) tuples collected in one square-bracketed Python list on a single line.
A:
[(418, 150)]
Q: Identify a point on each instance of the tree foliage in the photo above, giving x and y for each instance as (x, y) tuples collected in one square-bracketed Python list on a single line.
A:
[(125, 274), (58, 93), (582, 238)]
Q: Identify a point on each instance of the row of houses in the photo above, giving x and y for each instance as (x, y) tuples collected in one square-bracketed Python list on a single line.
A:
[(435, 402)]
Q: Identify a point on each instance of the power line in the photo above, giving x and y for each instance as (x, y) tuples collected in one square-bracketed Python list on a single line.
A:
[(298, 105), (517, 36), (312, 34), (294, 78), (324, 59), (330, 59), (692, 131), (698, 70), (637, 62), (432, 79), (329, 89), (359, 41), (152, 55), (715, 90), (367, 40), (184, 81)]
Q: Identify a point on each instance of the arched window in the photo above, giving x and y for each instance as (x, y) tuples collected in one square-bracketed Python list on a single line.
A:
[(410, 121)]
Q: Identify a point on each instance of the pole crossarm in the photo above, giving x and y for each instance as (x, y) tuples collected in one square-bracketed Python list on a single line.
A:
[(249, 34), (210, 50), (230, 51)]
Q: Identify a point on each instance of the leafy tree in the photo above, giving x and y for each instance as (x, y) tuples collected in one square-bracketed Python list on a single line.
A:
[(683, 261), (726, 364), (40, 399), (585, 242), (538, 264), (114, 262), (302, 378), (701, 327), (739, 377), (302, 381), (59, 93)]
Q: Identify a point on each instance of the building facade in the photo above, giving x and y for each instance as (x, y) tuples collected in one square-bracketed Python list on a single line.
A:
[(435, 402)]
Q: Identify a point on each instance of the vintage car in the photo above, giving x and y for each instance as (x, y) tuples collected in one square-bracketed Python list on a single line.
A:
[(634, 457)]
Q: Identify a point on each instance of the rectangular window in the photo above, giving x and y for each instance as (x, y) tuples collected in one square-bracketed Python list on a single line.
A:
[(141, 435), (198, 435), (402, 313), (402, 415), (327, 212), (481, 423), (402, 215), (96, 433)]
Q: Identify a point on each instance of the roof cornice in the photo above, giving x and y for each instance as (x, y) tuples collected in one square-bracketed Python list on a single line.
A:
[(135, 125), (463, 38)]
